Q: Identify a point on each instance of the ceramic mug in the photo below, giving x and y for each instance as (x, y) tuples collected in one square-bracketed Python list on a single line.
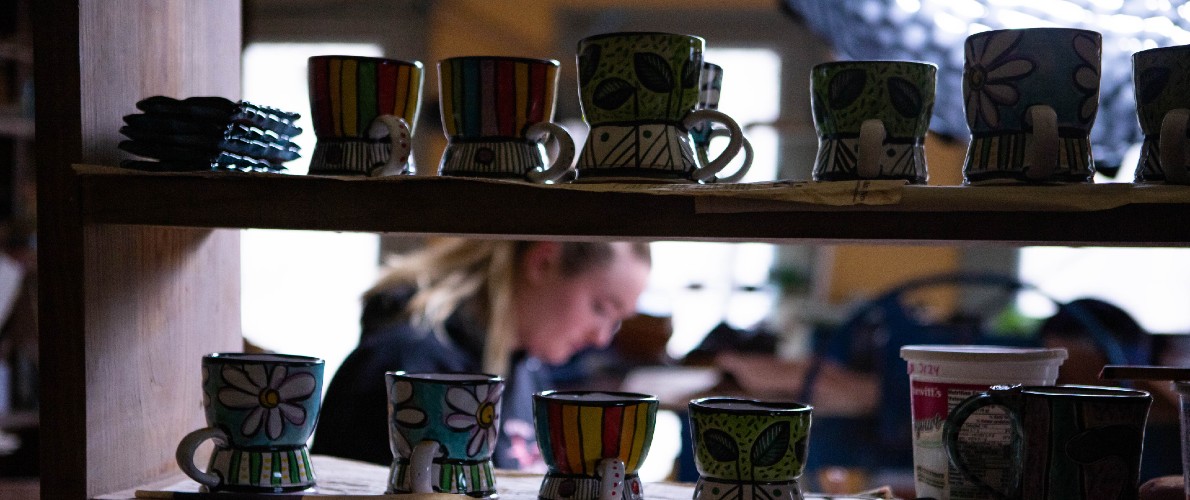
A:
[(746, 449), (497, 112), (1161, 80), (1068, 442), (639, 94), (872, 118), (710, 85), (260, 411), (593, 443), (364, 111), (442, 430), (1031, 97)]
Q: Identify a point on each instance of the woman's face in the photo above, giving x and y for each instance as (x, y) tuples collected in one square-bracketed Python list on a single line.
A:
[(562, 315)]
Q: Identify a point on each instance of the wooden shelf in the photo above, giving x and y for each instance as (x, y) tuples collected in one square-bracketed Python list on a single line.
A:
[(1055, 215)]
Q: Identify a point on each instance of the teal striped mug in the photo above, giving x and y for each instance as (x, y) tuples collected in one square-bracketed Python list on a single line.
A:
[(260, 411)]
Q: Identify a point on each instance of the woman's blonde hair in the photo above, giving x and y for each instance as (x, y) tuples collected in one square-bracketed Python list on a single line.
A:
[(451, 272)]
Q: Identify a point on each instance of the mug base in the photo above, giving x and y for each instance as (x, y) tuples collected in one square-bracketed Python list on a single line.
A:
[(721, 489), (471, 478), (494, 159), (581, 487), (262, 471)]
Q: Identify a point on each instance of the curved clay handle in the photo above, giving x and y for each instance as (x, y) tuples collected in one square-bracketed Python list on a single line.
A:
[(1041, 157), (740, 172), (871, 142), (421, 465), (611, 479), (1173, 146), (399, 136), (561, 163), (733, 146), (954, 425), (185, 455)]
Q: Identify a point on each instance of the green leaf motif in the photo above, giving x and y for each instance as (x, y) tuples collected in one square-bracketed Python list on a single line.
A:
[(653, 71), (720, 445), (612, 93), (770, 447), (845, 87), (588, 62), (905, 97)]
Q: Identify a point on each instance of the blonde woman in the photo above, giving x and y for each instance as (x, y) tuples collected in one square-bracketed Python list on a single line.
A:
[(505, 307)]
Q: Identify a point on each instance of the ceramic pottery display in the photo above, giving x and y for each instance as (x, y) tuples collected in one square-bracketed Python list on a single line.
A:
[(639, 94), (260, 410), (208, 133), (1031, 97), (593, 443), (1161, 80), (442, 430), (710, 84), (497, 111), (1068, 442), (749, 450), (364, 111), (871, 118)]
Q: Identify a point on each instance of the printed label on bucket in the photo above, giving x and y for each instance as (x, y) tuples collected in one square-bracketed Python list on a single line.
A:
[(985, 433)]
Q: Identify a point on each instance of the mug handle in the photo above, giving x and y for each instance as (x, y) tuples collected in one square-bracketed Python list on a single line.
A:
[(871, 141), (420, 466), (539, 132), (185, 455), (733, 145), (398, 133), (1173, 146), (959, 415), (1041, 157), (740, 172), (611, 479)]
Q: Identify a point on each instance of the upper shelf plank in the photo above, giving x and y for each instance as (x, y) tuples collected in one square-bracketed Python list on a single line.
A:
[(433, 205)]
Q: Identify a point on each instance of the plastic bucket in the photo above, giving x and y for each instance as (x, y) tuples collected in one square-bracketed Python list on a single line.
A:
[(941, 376)]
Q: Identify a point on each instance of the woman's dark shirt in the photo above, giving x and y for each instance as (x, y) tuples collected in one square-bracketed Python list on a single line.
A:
[(353, 422)]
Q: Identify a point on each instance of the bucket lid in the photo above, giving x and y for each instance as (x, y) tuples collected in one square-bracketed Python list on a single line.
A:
[(980, 353)]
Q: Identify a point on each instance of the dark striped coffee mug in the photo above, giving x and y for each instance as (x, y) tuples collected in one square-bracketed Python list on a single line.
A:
[(364, 111)]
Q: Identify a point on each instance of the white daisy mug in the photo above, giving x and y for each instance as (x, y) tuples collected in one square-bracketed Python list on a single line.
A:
[(260, 410), (442, 429), (1031, 98)]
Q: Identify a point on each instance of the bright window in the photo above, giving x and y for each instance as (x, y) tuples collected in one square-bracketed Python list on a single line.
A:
[(301, 289)]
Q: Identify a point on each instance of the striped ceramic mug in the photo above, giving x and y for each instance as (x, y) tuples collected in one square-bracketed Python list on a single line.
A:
[(593, 443), (497, 113), (260, 409), (364, 111)]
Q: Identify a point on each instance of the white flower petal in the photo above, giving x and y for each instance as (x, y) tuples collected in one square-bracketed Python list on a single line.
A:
[(411, 416), (274, 424), (277, 377), (295, 414), (1089, 108), (1086, 48), (298, 387), (237, 399), (1001, 93), (1086, 78), (972, 107), (252, 422), (987, 110), (258, 376), (997, 45), (402, 392), (459, 421), (495, 394), (461, 399), (1013, 69), (240, 379), (475, 444)]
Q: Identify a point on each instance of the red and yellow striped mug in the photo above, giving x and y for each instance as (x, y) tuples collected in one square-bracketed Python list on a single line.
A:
[(364, 111), (593, 442)]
